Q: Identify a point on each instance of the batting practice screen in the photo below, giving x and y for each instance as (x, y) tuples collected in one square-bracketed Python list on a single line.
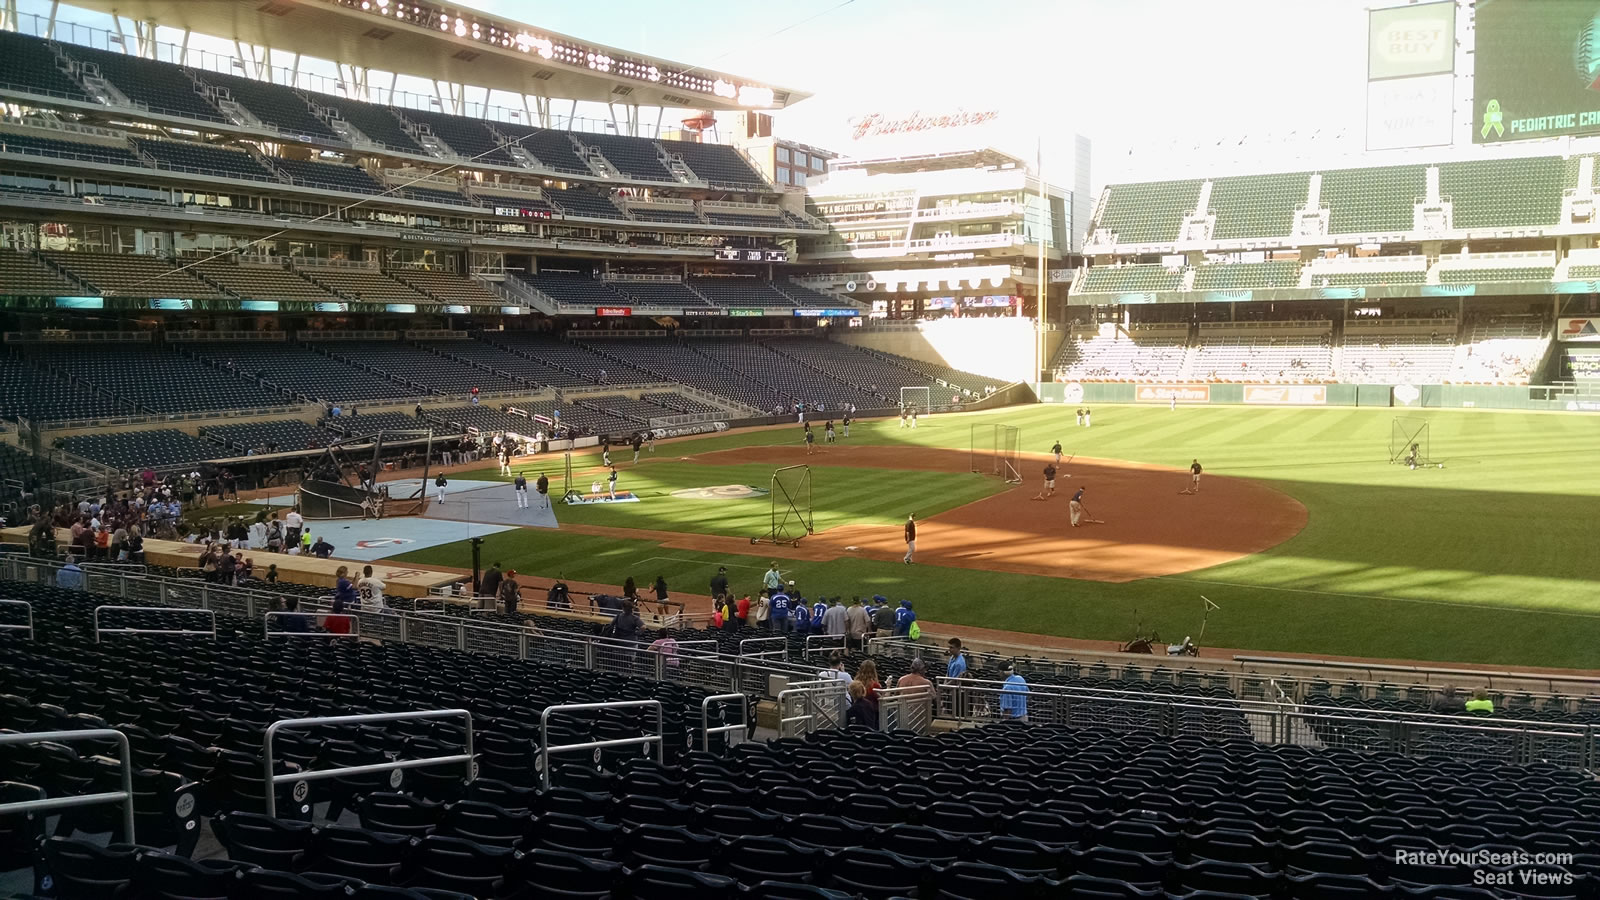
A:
[(1537, 70), (995, 450)]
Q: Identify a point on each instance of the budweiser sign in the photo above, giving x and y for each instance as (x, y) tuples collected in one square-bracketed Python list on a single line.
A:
[(879, 125)]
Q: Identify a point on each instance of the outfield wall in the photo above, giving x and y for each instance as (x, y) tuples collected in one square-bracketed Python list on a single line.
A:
[(1426, 396), (994, 346)]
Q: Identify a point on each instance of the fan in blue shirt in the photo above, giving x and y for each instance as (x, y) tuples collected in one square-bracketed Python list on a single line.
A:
[(1014, 696), (780, 613), (818, 610), (802, 617), (957, 666), (903, 617)]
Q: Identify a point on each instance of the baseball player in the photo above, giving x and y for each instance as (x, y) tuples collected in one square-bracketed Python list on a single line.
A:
[(903, 417), (1194, 478), (1086, 417), (1080, 415), (811, 440), (1056, 449), (612, 482), (911, 538), (847, 421), (913, 418), (638, 442), (1076, 507), (605, 455), (543, 487), (520, 487), (1174, 404), (441, 483), (827, 432)]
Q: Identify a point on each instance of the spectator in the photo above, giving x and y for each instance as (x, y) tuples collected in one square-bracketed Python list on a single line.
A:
[(763, 612), (742, 611), (344, 598), (957, 667), (882, 616), (135, 545), (918, 711), (800, 616), (780, 602), (294, 524), (904, 618), (863, 711), (719, 582), (489, 586), (322, 549), (834, 620), (867, 674), (855, 625), (70, 577), (510, 595), (1014, 695), (627, 626), (272, 574), (294, 621), (1480, 702), (371, 588)]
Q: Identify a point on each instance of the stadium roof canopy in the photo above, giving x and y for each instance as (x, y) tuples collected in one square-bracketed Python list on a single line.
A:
[(456, 45), (978, 157)]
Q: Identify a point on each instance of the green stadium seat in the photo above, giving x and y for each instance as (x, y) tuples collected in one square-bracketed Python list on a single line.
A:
[(1126, 279), (1257, 205), (1504, 193), (1362, 201), (1147, 213), (1482, 276), (1281, 273), (1369, 279), (1583, 271)]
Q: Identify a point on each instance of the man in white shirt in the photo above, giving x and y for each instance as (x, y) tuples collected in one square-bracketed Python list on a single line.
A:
[(293, 523), (258, 535), (371, 588)]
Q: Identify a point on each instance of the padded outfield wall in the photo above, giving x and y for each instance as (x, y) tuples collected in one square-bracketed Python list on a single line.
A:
[(1430, 396)]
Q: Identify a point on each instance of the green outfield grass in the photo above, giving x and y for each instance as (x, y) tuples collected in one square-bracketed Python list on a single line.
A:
[(1491, 559)]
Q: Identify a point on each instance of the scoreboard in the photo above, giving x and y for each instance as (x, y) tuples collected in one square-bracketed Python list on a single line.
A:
[(1537, 70), (740, 254)]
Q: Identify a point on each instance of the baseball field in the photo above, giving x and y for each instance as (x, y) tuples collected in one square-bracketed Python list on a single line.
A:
[(1303, 533)]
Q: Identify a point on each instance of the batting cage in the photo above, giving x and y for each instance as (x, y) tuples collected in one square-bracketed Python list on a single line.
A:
[(1408, 442), (568, 487), (996, 450), (330, 491), (791, 507)]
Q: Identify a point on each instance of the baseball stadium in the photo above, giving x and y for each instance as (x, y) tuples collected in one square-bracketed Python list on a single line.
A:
[(446, 457)]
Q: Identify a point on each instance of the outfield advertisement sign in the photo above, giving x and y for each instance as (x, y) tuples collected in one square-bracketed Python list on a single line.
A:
[(1578, 330), (738, 312), (613, 310), (1164, 393), (1286, 394)]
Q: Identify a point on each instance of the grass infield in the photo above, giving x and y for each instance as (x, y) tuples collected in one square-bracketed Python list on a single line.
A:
[(1491, 559)]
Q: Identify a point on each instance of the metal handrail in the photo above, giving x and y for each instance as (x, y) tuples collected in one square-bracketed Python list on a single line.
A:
[(25, 605), (782, 652), (706, 731), (809, 691), (124, 796), (267, 632), (167, 609), (273, 779), (545, 750)]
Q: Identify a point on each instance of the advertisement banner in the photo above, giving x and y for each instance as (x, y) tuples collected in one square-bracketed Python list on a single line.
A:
[(1403, 41), (1406, 395), (1580, 330), (754, 313), (1286, 394), (613, 310), (1165, 393)]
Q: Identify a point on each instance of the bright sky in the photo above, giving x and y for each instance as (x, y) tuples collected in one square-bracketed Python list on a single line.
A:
[(1132, 75)]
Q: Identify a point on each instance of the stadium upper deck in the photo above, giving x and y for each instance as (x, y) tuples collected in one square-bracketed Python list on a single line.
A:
[(1448, 229)]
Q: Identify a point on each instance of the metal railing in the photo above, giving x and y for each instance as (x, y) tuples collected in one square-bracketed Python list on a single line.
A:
[(807, 706), (740, 727), (273, 779), (823, 643), (545, 750), (906, 708), (124, 796), (28, 608), (98, 630), (781, 650)]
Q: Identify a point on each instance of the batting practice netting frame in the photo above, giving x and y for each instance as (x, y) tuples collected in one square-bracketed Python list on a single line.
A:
[(919, 398), (996, 450), (1405, 431), (567, 489), (791, 507), (333, 492)]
